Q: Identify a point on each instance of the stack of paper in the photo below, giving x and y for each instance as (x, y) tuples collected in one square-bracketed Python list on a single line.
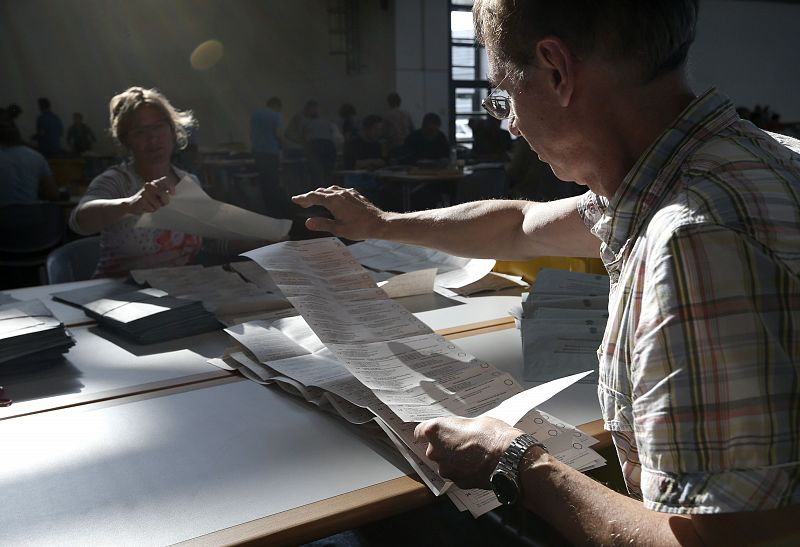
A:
[(364, 355), (562, 321), (289, 354), (148, 316), (222, 292), (30, 336), (460, 275)]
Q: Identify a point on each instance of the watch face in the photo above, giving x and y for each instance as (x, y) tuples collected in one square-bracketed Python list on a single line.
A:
[(505, 488)]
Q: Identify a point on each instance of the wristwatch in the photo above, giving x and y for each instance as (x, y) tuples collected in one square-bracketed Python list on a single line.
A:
[(505, 477)]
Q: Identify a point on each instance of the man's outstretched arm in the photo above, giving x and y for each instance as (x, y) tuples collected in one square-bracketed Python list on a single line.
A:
[(504, 229)]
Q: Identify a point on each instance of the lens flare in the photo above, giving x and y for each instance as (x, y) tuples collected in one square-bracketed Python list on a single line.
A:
[(206, 55)]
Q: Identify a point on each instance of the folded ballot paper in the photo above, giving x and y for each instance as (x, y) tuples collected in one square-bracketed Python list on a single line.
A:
[(562, 322), (30, 336), (357, 353), (192, 211), (463, 276)]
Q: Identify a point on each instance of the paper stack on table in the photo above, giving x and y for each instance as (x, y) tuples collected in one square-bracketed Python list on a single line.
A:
[(357, 351), (562, 322), (147, 316), (221, 292), (30, 336), (460, 275)]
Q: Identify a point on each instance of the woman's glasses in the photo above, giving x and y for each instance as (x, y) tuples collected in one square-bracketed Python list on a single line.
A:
[(498, 103)]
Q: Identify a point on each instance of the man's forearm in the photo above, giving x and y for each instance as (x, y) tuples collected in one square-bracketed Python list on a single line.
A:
[(503, 229), (586, 512)]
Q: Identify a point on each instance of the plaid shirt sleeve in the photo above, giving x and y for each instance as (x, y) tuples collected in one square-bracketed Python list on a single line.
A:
[(714, 374)]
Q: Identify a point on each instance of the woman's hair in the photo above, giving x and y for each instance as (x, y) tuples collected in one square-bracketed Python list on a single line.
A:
[(124, 105)]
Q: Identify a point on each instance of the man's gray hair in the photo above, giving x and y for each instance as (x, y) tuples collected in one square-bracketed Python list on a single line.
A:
[(653, 34)]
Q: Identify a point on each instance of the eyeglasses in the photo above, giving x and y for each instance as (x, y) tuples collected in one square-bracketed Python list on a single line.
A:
[(498, 103), (152, 130)]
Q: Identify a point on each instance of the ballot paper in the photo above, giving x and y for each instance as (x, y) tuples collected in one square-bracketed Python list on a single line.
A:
[(410, 283), (30, 336), (221, 292), (415, 372), (192, 211), (562, 322), (461, 275), (354, 347)]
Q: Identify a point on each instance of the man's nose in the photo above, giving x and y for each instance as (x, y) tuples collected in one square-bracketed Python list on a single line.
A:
[(512, 126)]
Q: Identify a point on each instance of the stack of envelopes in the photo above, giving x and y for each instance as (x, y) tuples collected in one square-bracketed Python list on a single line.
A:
[(30, 336), (144, 316), (148, 316)]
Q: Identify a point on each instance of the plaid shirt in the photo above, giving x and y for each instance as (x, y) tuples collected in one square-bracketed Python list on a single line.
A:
[(700, 362)]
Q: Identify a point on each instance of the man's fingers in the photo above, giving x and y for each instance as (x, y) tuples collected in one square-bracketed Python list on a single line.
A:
[(320, 224)]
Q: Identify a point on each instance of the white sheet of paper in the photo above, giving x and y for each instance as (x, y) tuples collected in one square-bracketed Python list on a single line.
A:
[(410, 283), (514, 408), (192, 211)]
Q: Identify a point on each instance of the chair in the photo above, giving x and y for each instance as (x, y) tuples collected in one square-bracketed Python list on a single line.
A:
[(28, 232), (74, 261)]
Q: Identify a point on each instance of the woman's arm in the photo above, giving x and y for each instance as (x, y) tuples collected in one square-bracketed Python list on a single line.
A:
[(98, 214)]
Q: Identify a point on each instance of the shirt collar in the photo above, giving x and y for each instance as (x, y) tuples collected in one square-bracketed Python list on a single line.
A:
[(654, 172)]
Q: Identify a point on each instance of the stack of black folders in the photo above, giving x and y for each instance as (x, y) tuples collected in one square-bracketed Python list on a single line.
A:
[(143, 316), (30, 336)]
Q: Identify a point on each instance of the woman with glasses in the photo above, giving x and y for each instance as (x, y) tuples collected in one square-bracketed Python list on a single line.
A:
[(149, 129)]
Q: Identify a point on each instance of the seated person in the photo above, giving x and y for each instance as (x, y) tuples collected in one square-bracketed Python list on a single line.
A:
[(149, 128), (25, 175), (363, 150), (490, 142), (428, 142)]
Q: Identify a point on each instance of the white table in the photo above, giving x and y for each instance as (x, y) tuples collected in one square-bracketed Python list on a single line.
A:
[(102, 366), (131, 444), (69, 315), (171, 466)]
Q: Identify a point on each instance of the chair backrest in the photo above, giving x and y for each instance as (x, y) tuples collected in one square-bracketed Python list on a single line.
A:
[(74, 261), (27, 228)]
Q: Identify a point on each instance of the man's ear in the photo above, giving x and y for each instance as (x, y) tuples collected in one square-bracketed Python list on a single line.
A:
[(553, 55)]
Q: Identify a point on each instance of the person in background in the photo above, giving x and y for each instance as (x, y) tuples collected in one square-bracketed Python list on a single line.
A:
[(696, 216), (148, 128), (266, 141), (398, 124), (25, 175), (428, 142), (13, 112), (80, 137), (49, 130), (348, 122), (490, 142), (319, 137), (363, 150)]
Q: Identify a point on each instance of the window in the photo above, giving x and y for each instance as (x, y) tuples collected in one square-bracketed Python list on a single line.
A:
[(468, 67)]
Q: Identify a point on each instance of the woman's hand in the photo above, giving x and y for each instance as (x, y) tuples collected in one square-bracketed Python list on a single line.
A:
[(153, 196)]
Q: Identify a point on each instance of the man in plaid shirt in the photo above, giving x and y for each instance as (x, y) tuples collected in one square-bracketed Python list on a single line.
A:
[(697, 213)]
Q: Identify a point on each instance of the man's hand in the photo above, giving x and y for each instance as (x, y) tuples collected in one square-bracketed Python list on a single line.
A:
[(466, 449), (354, 217), (152, 197)]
